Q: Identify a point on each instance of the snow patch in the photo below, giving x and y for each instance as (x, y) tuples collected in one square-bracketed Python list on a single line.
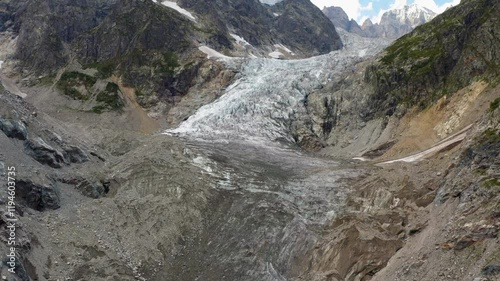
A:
[(451, 140), (173, 5), (240, 40), (281, 46), (211, 53), (270, 2), (1, 62), (276, 55)]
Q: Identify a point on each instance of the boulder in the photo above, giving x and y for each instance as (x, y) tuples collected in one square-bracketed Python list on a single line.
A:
[(14, 129), (37, 196), (44, 153), (89, 187), (491, 270), (75, 154)]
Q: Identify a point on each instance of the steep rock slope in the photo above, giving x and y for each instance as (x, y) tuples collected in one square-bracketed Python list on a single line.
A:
[(340, 19), (438, 58), (297, 24)]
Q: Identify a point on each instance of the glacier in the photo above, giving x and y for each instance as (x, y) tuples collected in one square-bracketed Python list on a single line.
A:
[(259, 106)]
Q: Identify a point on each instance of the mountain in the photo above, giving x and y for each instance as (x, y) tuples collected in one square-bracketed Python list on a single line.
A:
[(65, 27), (128, 155), (297, 24), (340, 19), (393, 24), (398, 22), (155, 47)]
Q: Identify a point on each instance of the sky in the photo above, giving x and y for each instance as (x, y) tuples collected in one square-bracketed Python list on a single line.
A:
[(373, 9)]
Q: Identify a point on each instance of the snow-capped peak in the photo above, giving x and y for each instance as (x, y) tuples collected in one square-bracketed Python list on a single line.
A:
[(412, 14)]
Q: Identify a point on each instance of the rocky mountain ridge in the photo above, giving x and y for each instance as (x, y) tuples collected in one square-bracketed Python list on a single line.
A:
[(152, 46), (393, 23)]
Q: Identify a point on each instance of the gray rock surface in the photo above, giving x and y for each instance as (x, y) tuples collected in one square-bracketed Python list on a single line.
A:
[(297, 24), (14, 129), (44, 153), (74, 154), (38, 197), (340, 19)]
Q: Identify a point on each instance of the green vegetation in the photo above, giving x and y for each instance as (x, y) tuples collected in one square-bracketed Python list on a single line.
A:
[(48, 79), (169, 63), (104, 68), (77, 78), (491, 183), (112, 88), (108, 99), (69, 82), (491, 135), (494, 104), (436, 59)]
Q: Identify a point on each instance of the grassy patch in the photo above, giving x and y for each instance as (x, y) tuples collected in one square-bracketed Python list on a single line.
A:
[(70, 81), (494, 104), (169, 63), (48, 79), (491, 135), (104, 68), (109, 99), (491, 183)]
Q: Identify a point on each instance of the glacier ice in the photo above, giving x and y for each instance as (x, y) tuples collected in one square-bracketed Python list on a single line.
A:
[(269, 93)]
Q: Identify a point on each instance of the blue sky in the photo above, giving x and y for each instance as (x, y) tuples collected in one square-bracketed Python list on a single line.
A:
[(373, 9)]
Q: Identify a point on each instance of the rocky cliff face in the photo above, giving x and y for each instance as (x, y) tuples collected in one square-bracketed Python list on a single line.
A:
[(340, 19), (297, 24), (43, 30)]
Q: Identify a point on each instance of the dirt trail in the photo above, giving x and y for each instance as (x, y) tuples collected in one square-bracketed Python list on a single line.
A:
[(135, 112)]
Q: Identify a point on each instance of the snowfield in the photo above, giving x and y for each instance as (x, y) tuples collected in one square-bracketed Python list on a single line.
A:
[(176, 7), (240, 40)]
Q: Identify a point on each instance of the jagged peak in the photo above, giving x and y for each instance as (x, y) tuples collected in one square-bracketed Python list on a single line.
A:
[(368, 22)]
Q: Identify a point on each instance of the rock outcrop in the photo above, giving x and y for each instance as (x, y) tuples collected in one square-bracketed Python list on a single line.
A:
[(38, 197), (14, 129), (44, 153)]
